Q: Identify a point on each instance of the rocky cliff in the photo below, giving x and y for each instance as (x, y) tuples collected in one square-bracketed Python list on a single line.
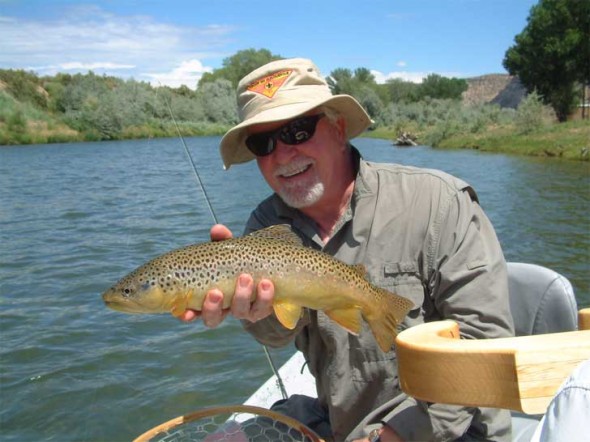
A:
[(502, 89)]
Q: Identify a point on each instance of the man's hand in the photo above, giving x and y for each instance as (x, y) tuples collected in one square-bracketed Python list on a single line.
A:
[(386, 434), (242, 307)]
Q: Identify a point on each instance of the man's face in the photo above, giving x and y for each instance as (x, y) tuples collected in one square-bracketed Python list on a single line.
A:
[(304, 174)]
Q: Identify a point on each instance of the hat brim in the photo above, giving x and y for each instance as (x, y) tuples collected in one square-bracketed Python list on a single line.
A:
[(233, 147)]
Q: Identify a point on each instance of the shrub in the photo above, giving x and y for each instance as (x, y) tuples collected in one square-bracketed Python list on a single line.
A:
[(530, 114)]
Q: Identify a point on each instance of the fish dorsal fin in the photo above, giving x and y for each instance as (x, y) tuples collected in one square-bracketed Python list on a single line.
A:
[(279, 231), (287, 313)]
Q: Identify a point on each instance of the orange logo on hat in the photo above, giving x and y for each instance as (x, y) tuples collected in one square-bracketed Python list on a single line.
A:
[(268, 86)]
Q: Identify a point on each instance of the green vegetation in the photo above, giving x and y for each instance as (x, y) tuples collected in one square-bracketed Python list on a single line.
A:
[(529, 130), (552, 53), (89, 107)]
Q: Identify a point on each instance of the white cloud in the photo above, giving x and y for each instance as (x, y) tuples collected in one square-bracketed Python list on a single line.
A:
[(94, 66), (88, 38), (414, 77), (401, 64), (188, 73)]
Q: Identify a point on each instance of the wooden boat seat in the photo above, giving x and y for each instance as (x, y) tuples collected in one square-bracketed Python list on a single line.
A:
[(520, 373)]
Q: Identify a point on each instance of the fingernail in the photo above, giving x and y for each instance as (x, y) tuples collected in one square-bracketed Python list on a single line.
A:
[(244, 282), (265, 285)]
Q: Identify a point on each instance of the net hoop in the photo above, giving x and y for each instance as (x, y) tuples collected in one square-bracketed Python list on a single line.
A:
[(250, 409)]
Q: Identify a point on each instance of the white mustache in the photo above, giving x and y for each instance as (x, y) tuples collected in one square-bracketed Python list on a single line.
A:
[(293, 168)]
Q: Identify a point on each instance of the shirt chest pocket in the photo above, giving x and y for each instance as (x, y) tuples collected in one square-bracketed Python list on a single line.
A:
[(403, 279), (370, 363)]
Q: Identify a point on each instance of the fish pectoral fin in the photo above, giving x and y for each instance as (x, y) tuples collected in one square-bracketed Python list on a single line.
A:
[(287, 313), (180, 304), (349, 318)]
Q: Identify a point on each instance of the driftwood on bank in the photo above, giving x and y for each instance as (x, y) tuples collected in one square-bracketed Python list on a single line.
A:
[(405, 139)]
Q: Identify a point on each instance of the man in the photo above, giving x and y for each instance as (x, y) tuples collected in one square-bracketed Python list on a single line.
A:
[(420, 233)]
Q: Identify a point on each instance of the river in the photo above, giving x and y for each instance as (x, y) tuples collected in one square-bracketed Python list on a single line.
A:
[(76, 217)]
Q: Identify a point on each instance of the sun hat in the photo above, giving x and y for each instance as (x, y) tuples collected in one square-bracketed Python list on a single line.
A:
[(282, 90)]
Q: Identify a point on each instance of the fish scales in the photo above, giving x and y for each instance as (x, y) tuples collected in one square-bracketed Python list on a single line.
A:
[(303, 278)]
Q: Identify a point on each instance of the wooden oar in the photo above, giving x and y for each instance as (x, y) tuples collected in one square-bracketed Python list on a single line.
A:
[(521, 373)]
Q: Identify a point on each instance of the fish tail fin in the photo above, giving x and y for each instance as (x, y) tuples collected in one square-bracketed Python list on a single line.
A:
[(384, 320)]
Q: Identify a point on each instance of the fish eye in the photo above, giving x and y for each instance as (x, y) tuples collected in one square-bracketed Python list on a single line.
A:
[(127, 292)]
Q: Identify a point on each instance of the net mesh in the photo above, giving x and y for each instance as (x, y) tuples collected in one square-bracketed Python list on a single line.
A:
[(234, 424)]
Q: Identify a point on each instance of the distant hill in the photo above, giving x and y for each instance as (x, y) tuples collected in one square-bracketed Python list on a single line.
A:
[(502, 89)]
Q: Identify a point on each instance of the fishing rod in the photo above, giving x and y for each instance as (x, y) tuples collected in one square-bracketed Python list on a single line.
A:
[(202, 187)]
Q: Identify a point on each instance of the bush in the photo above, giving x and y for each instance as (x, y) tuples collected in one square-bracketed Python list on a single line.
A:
[(532, 114)]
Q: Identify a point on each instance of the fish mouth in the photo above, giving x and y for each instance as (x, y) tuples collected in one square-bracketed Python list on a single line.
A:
[(122, 307), (115, 302)]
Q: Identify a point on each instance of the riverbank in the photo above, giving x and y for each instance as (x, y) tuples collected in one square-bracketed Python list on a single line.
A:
[(570, 140), (48, 131)]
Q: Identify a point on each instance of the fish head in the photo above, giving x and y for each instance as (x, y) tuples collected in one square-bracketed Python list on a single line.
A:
[(133, 294)]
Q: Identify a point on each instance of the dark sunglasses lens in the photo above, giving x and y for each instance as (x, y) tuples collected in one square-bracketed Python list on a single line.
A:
[(295, 132), (261, 144), (300, 130)]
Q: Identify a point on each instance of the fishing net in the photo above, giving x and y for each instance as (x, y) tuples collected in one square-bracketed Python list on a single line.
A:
[(236, 423)]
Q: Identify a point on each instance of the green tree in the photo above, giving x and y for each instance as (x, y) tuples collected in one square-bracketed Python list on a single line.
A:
[(345, 81), (401, 91), (341, 81), (552, 54), (239, 65), (361, 85), (218, 100), (437, 86)]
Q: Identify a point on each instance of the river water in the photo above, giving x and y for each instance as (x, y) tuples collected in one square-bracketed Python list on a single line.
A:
[(74, 218)]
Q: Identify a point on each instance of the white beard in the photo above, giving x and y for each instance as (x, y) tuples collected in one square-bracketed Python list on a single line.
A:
[(300, 193), (300, 198)]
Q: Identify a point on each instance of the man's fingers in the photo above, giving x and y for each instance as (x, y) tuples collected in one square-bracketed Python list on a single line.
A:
[(212, 311), (248, 302), (252, 304), (220, 232), (241, 302), (189, 315), (262, 306)]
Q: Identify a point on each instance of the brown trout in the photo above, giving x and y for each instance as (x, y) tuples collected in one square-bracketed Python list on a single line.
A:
[(303, 278)]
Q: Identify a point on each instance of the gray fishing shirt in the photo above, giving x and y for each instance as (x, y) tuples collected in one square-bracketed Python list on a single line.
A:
[(422, 234)]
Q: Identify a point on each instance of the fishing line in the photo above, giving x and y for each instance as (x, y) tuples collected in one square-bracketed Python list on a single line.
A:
[(202, 187), (190, 158)]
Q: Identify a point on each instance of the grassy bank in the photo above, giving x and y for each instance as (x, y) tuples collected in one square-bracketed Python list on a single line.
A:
[(569, 140)]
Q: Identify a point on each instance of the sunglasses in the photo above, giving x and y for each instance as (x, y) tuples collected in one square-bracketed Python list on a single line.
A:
[(296, 131)]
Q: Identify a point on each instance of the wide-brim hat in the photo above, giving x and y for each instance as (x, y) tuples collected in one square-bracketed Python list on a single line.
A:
[(282, 90)]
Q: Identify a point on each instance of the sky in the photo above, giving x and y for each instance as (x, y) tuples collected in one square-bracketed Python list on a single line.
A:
[(174, 42)]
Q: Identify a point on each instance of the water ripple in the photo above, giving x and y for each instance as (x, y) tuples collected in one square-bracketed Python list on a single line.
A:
[(76, 217)]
